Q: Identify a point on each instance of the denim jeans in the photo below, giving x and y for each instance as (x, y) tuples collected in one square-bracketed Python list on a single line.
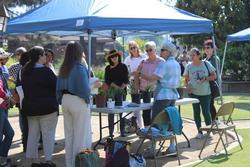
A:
[(7, 131)]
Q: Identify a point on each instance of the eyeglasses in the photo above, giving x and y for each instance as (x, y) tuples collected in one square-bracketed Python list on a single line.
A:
[(133, 47), (162, 50), (149, 50)]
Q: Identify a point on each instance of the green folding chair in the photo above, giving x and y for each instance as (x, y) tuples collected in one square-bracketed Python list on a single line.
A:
[(225, 110)]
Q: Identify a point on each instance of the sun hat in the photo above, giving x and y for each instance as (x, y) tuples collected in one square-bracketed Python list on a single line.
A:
[(170, 47), (112, 53)]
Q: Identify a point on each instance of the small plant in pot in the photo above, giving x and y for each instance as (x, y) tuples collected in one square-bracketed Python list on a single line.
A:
[(116, 94), (147, 93), (100, 98), (134, 92)]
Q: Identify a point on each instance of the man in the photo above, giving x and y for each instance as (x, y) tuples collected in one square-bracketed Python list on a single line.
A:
[(167, 75), (215, 61), (15, 68)]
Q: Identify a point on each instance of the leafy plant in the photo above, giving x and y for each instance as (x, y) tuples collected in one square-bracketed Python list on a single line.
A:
[(112, 92), (132, 88), (149, 88)]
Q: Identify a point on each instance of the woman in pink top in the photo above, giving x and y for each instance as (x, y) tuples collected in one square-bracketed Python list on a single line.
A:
[(148, 67)]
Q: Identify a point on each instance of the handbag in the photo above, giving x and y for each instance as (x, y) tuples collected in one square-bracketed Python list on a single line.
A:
[(87, 158), (137, 160), (214, 87), (116, 153)]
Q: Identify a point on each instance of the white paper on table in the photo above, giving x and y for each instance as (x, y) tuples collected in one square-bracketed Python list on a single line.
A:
[(92, 81)]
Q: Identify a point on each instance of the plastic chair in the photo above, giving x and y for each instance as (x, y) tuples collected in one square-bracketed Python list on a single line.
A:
[(161, 118), (225, 110)]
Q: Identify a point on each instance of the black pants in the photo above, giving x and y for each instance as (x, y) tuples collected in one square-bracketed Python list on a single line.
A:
[(146, 114), (212, 109), (111, 124), (25, 130), (160, 105)]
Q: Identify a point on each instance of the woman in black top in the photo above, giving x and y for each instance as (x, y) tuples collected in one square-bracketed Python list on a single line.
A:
[(116, 75)]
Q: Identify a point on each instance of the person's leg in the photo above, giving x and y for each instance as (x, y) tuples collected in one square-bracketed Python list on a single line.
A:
[(205, 105), (33, 137), (48, 127), (139, 119), (197, 111), (25, 130), (212, 109), (111, 124), (122, 125), (146, 117), (68, 129), (82, 137), (8, 133)]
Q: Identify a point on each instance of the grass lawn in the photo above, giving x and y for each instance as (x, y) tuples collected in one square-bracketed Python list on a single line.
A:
[(236, 158), (241, 111)]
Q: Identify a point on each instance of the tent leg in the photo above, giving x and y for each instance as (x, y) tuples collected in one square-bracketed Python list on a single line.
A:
[(89, 51)]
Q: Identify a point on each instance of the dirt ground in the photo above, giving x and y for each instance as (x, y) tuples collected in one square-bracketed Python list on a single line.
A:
[(187, 155)]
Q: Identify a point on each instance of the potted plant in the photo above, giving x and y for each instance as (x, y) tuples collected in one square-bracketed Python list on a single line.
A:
[(147, 94), (134, 92), (116, 94), (100, 98)]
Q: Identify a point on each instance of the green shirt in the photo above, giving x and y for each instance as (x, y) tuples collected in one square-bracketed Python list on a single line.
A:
[(196, 73)]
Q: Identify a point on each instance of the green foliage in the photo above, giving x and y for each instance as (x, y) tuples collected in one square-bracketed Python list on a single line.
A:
[(237, 64), (99, 72), (228, 16), (132, 88), (112, 92), (149, 88)]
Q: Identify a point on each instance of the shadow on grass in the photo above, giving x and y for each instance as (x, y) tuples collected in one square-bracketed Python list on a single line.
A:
[(243, 106)]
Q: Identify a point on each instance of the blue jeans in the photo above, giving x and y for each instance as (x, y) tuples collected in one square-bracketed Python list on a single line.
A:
[(7, 131)]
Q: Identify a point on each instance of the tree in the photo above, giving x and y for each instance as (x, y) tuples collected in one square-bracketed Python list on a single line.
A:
[(229, 16)]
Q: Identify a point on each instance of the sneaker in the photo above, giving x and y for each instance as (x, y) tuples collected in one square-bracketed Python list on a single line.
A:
[(210, 135), (199, 136)]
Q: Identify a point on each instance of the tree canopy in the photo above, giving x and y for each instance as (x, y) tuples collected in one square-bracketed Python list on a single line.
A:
[(229, 16)]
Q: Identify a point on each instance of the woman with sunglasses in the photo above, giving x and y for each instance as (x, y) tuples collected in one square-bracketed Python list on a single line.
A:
[(116, 75), (148, 67), (133, 61), (213, 59), (197, 82), (167, 75)]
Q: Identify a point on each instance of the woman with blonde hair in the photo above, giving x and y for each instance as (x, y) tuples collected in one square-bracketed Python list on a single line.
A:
[(73, 92)]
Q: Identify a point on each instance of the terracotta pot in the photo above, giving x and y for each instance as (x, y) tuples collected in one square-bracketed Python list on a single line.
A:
[(100, 101)]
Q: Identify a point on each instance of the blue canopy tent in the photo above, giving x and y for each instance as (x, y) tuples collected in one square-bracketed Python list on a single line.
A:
[(64, 17), (243, 35)]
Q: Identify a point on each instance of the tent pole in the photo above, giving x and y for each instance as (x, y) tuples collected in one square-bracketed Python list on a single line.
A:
[(89, 51), (217, 71), (224, 56), (113, 36)]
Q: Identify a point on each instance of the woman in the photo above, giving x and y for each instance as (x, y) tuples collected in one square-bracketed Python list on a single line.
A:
[(39, 104), (73, 93), (133, 61), (197, 82), (6, 131), (148, 67), (116, 75), (215, 61)]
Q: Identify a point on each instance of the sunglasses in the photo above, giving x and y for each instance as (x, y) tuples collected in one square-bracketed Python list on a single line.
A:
[(112, 56), (149, 50), (162, 50), (132, 48), (207, 47)]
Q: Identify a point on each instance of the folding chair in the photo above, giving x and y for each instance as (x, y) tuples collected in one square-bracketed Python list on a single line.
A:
[(226, 109), (161, 118)]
